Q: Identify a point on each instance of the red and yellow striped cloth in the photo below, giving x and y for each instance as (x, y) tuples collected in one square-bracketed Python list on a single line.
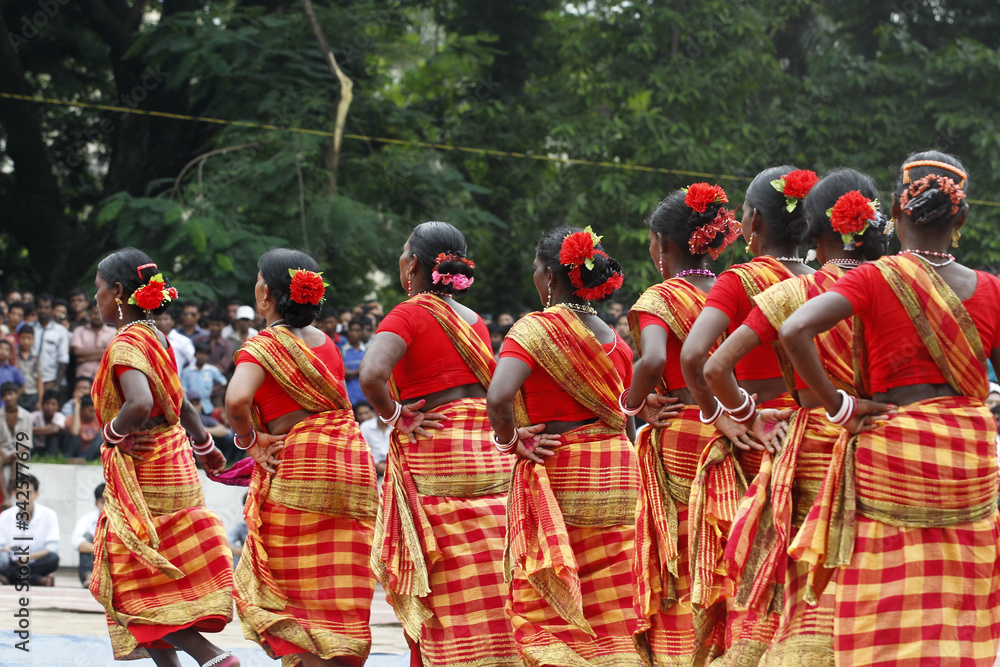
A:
[(303, 584), (441, 525), (161, 560)]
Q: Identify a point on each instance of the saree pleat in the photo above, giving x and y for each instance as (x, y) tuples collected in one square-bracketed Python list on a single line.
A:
[(303, 584), (906, 522), (161, 560)]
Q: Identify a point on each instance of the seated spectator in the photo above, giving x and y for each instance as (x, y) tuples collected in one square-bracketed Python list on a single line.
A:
[(220, 432), (83, 430), (241, 330), (31, 368), (182, 345), (48, 425), (83, 537), (189, 320), (78, 302), (51, 344), (39, 541), (363, 411), (81, 388), (220, 350), (353, 352), (376, 434), (238, 536), (90, 341), (9, 372), (203, 377), (15, 428)]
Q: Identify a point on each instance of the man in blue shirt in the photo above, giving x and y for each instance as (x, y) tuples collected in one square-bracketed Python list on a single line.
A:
[(353, 352), (202, 376), (8, 371)]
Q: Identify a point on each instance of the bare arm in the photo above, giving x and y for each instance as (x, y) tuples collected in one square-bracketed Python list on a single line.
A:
[(507, 380), (138, 402), (814, 317), (73, 424), (720, 367), (649, 369), (711, 324), (384, 352)]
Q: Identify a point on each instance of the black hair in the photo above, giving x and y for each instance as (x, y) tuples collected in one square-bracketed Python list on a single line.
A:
[(359, 321), (60, 302), (430, 239), (932, 207), (203, 346), (8, 386), (218, 315), (328, 312), (361, 403), (673, 219), (45, 296), (92, 304), (33, 481), (122, 266), (823, 196), (99, 491), (76, 291), (234, 302), (785, 226), (81, 378), (274, 266), (86, 402), (605, 267), (4, 341), (26, 330), (50, 395), (17, 304), (191, 304)]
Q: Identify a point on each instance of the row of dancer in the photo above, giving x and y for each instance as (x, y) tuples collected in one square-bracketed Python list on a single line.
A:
[(582, 549)]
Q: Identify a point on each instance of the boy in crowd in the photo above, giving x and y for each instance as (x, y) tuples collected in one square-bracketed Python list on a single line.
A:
[(203, 377), (83, 537), (39, 541), (31, 368), (220, 350), (48, 425), (83, 430), (9, 372), (15, 420), (353, 352)]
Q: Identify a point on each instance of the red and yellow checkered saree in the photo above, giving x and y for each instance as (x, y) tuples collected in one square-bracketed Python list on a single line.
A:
[(668, 461), (441, 525), (906, 518), (572, 521), (303, 584), (161, 560)]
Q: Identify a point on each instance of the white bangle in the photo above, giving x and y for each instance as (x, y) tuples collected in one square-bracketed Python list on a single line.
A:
[(205, 447), (502, 447), (116, 434), (631, 412), (391, 421), (748, 409), (111, 436), (236, 441), (715, 415), (846, 411)]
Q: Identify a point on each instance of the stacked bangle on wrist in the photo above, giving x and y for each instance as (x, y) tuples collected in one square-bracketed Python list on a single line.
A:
[(391, 421), (111, 435), (631, 412), (747, 410), (847, 409), (236, 440), (505, 448), (715, 415), (205, 447)]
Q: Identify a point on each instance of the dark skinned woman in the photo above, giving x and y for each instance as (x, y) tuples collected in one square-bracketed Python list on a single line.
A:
[(906, 520), (847, 228), (773, 225), (162, 564), (442, 523), (573, 495), (303, 585), (688, 228)]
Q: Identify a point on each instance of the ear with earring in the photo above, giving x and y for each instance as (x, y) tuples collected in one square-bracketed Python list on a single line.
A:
[(548, 300), (955, 237)]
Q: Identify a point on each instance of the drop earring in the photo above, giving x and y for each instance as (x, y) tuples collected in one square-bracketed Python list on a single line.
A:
[(661, 264), (409, 287), (955, 237), (749, 242), (120, 315), (548, 300)]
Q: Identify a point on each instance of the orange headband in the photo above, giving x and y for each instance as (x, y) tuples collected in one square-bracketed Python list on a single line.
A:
[(933, 163)]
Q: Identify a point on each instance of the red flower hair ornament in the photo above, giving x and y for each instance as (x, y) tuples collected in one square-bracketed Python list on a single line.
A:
[(153, 294), (699, 196), (723, 222), (851, 215), (578, 250), (307, 286), (795, 185)]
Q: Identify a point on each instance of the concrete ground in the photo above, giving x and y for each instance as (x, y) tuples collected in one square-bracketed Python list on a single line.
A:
[(68, 628)]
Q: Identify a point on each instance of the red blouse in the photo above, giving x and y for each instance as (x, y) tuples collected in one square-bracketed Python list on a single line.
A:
[(672, 375), (157, 411), (896, 355), (546, 400), (271, 400), (729, 296), (431, 362)]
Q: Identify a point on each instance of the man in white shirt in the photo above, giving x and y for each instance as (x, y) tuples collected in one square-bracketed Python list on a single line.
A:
[(375, 433), (83, 537), (182, 345), (51, 344), (29, 539)]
